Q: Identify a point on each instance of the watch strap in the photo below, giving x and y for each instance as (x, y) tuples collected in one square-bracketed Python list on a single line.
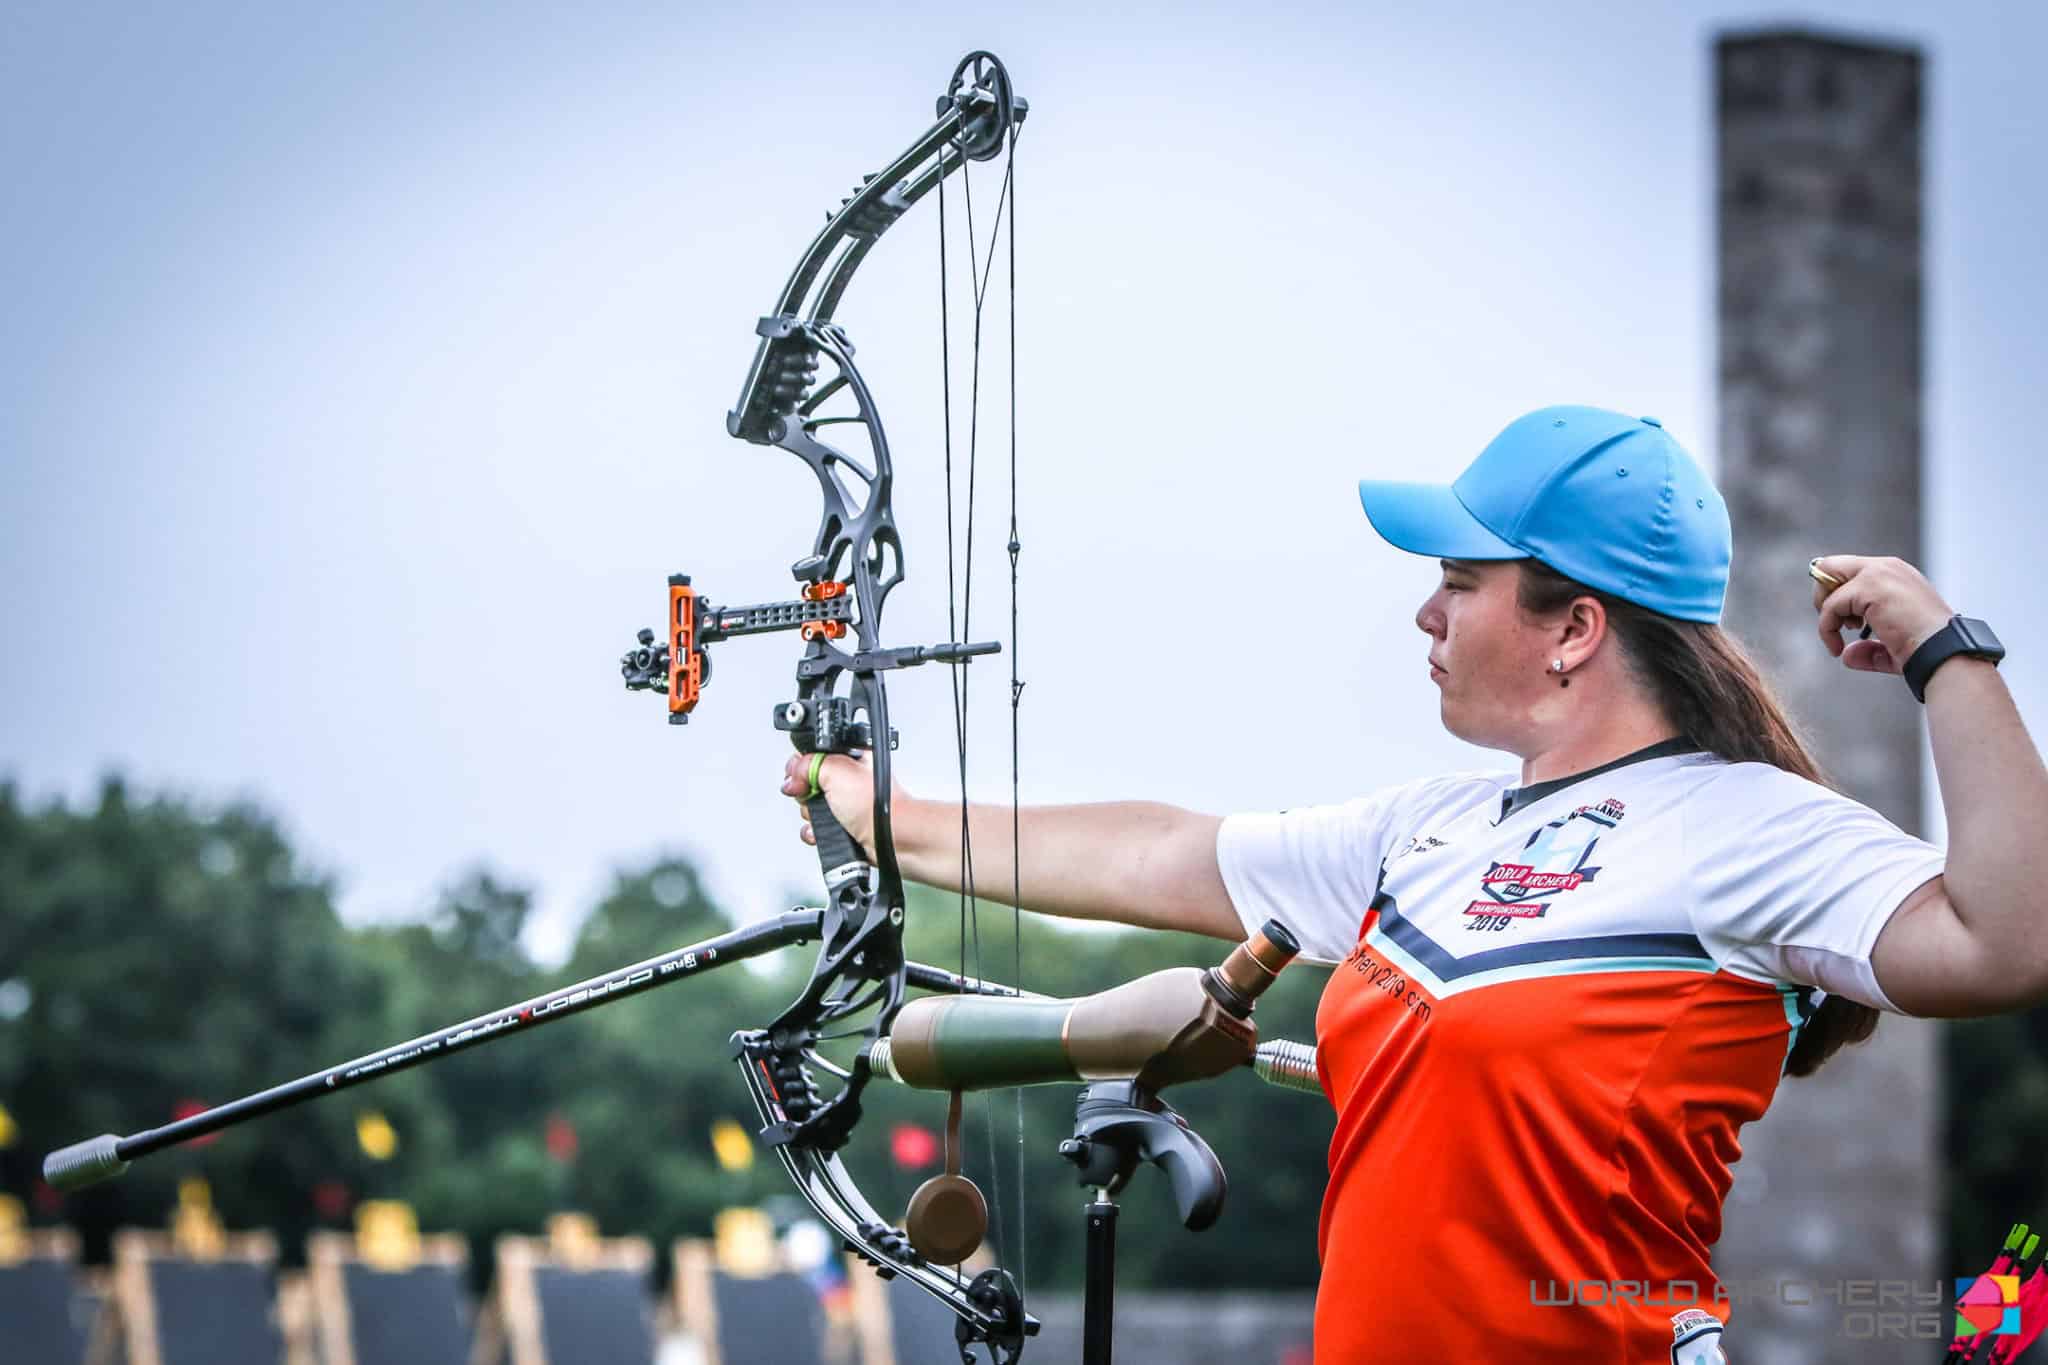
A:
[(1960, 636)]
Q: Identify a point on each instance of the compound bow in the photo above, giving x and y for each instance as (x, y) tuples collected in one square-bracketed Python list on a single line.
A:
[(1160, 1029), (856, 559)]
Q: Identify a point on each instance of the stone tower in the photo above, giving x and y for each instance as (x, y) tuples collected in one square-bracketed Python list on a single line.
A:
[(1819, 300)]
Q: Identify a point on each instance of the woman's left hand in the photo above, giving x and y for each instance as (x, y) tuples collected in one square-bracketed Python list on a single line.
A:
[(1889, 596)]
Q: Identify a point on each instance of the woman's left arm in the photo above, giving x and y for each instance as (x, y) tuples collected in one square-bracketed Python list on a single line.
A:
[(1975, 939)]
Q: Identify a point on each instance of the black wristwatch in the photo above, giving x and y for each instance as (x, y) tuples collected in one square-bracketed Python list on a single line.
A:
[(1962, 635)]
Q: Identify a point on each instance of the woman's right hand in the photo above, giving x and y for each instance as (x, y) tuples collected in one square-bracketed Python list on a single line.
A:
[(849, 788)]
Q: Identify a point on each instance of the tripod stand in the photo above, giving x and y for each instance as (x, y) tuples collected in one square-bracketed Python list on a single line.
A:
[(1118, 1124)]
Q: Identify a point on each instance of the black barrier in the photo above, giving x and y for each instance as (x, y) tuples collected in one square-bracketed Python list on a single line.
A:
[(417, 1316), (776, 1320), (595, 1317), (38, 1312), (214, 1313)]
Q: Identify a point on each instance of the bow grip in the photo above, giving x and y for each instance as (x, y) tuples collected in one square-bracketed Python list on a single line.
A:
[(836, 847)]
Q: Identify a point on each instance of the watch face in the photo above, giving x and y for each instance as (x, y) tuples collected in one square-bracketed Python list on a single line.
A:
[(1977, 637)]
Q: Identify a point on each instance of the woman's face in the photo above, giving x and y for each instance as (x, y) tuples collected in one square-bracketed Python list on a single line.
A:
[(1487, 659)]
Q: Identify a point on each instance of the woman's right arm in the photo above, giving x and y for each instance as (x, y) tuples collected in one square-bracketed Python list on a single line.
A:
[(1141, 863)]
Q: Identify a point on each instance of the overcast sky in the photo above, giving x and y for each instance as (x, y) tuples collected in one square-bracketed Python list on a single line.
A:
[(363, 372)]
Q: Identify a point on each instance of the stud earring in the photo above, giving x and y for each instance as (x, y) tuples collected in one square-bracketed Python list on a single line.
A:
[(1557, 666)]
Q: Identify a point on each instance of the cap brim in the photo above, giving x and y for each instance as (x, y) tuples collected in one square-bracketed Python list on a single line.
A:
[(1428, 519)]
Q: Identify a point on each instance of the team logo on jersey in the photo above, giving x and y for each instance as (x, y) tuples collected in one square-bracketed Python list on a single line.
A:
[(1696, 1338), (1557, 859)]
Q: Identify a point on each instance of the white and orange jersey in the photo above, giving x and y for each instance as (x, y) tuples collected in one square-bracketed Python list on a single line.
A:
[(1552, 1012)]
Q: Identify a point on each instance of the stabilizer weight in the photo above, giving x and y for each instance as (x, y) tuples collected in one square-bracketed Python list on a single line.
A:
[(1289, 1065), (83, 1163)]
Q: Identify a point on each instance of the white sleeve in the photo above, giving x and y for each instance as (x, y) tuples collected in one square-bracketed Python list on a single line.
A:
[(1793, 882), (1315, 868)]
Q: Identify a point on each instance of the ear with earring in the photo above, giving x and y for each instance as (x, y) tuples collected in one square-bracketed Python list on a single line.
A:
[(1557, 667)]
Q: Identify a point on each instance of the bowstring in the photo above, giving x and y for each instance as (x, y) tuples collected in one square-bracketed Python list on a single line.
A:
[(952, 627), (978, 274), (1016, 696)]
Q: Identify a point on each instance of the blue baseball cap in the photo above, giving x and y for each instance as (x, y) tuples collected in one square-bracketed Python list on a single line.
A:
[(1603, 498)]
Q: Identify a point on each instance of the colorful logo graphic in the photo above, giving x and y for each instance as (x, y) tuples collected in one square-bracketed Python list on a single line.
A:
[(1987, 1303), (1557, 855)]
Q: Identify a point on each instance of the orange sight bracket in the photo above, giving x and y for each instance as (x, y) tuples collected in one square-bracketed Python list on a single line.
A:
[(822, 592), (680, 664), (685, 664)]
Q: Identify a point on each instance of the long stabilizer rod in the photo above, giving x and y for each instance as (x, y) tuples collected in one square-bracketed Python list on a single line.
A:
[(103, 1157), (106, 1156)]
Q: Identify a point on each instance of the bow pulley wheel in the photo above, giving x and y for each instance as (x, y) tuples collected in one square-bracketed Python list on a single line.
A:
[(980, 90)]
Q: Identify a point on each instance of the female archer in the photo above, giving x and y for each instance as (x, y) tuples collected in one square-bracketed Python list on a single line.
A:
[(1560, 992)]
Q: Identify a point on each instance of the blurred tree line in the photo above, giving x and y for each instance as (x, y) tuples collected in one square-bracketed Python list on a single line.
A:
[(157, 957)]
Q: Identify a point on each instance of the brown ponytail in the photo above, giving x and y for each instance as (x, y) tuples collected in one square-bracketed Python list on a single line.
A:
[(1712, 692)]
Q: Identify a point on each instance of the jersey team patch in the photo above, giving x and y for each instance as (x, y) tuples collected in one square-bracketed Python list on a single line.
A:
[(1696, 1338), (1558, 863), (1519, 909)]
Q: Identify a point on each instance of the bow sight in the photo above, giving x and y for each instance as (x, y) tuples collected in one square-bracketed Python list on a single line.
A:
[(680, 667)]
